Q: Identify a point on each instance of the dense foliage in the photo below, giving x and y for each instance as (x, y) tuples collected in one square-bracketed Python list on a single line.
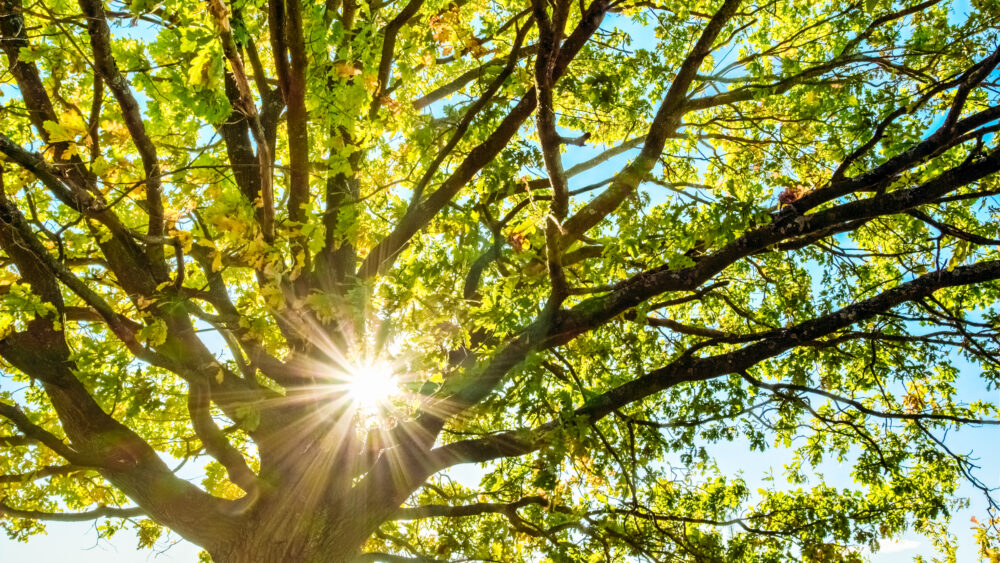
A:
[(270, 272)]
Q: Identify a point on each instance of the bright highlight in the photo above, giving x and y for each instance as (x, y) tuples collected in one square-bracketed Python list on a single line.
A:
[(372, 387)]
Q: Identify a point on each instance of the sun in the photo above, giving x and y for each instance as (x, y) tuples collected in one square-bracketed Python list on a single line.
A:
[(372, 387)]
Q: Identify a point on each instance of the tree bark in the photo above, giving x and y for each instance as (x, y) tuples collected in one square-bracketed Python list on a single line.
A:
[(295, 530), (299, 548)]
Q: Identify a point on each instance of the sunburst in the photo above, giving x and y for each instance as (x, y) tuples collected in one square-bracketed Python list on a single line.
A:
[(372, 387)]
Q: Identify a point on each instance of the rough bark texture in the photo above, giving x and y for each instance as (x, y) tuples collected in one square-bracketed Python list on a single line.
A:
[(293, 536)]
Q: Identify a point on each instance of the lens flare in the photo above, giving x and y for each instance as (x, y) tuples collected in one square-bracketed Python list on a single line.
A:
[(372, 387)]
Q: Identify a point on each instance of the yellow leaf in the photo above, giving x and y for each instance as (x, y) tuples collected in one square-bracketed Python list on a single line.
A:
[(71, 151), (203, 68), (185, 239), (100, 166), (74, 124), (57, 133), (346, 70), (153, 334)]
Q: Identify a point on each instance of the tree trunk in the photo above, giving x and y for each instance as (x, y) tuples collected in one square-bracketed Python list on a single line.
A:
[(286, 537), (284, 550)]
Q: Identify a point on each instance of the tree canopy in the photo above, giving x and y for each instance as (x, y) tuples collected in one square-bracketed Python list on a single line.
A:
[(271, 270)]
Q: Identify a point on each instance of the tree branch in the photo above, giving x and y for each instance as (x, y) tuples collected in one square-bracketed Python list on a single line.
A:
[(666, 121), (688, 369), (476, 509), (102, 512), (385, 252), (104, 63)]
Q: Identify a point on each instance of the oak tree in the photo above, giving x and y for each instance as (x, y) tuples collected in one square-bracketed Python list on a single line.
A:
[(270, 271)]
